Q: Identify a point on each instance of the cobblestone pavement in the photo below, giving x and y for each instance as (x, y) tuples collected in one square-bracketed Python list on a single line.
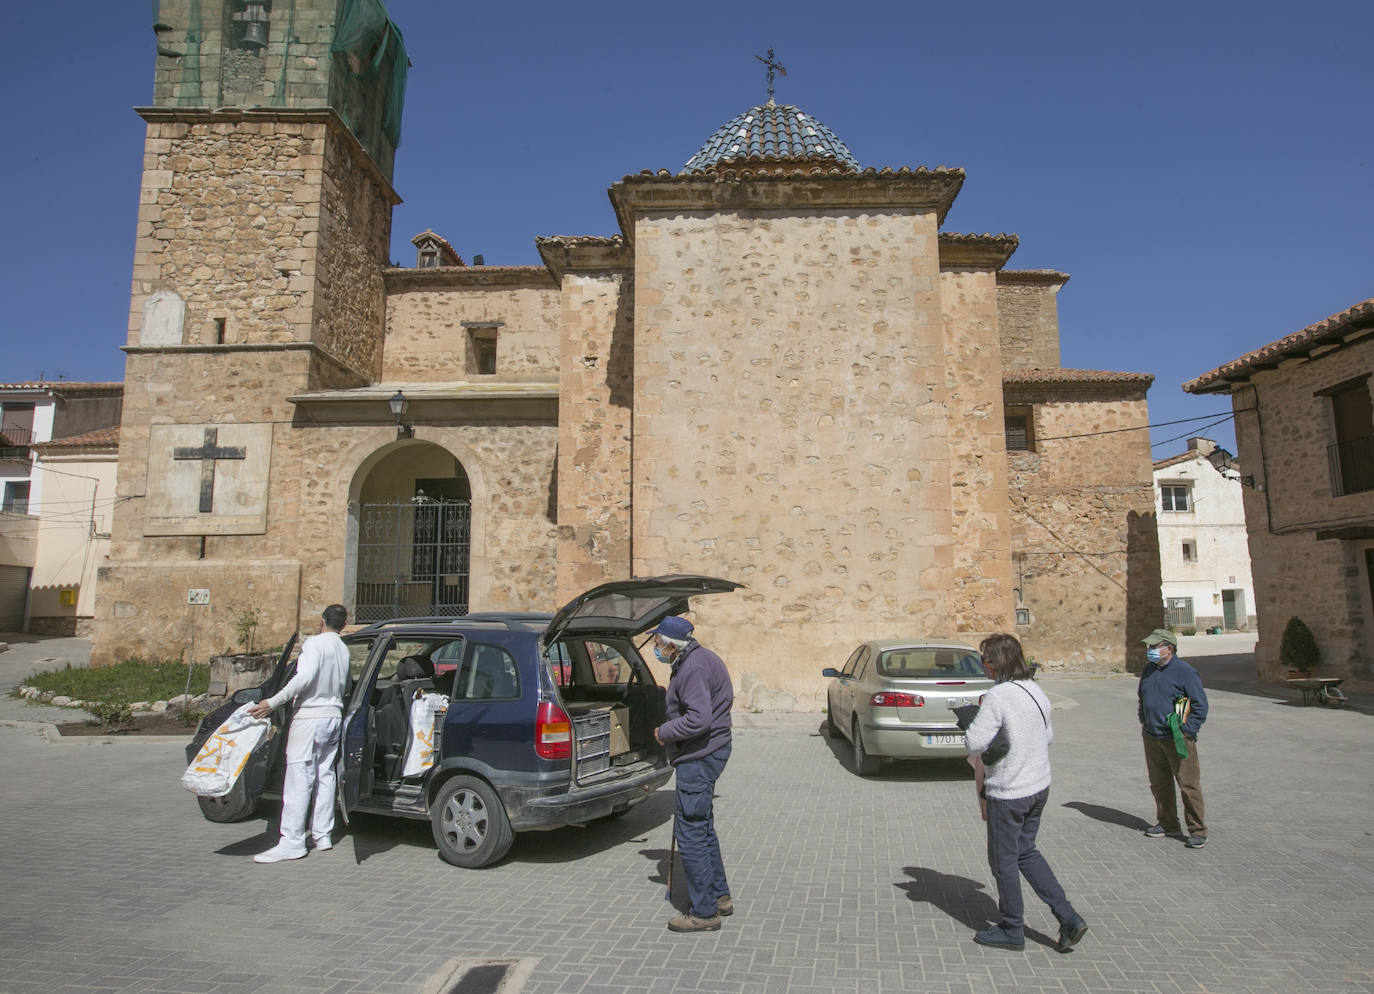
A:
[(113, 881)]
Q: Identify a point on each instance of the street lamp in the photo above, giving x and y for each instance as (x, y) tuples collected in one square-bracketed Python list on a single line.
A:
[(399, 405), (1222, 461)]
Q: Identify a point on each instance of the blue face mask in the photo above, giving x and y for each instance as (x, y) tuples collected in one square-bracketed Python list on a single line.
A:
[(658, 654), (1152, 655)]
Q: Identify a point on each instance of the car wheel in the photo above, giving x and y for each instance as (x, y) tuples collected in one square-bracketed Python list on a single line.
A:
[(864, 764), (233, 806), (470, 824)]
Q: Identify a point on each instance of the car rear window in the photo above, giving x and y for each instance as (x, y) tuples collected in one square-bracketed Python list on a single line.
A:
[(930, 663)]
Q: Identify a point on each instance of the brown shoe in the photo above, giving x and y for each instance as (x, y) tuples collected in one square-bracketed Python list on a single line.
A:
[(691, 923), (725, 905)]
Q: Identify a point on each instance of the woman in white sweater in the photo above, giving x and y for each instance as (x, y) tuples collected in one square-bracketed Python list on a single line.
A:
[(1016, 788)]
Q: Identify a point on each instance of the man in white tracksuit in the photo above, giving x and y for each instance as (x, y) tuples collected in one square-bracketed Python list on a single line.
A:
[(313, 742)]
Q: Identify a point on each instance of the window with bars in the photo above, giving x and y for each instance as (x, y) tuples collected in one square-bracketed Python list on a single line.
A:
[(1020, 429), (1178, 612)]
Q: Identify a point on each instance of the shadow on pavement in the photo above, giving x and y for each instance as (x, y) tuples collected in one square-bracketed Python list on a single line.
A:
[(659, 878), (1235, 674), (902, 770), (266, 837), (565, 845), (966, 901), (1109, 815)]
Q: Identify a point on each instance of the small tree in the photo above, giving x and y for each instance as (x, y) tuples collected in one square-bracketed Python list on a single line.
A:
[(246, 625), (1299, 650)]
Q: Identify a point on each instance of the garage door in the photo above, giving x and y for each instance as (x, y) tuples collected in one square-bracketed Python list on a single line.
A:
[(14, 589)]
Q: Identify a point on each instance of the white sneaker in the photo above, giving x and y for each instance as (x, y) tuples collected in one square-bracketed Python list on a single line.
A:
[(278, 853), (324, 846)]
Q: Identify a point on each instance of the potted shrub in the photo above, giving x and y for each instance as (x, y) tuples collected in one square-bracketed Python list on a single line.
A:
[(1298, 651)]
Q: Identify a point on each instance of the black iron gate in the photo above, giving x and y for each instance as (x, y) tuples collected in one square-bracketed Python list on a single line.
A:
[(413, 559)]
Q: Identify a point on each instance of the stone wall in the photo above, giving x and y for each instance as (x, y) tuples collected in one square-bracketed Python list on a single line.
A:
[(791, 418), (1028, 316), (228, 219), (1307, 548), (143, 612), (510, 471), (1085, 548), (427, 340), (596, 385), (343, 269), (980, 570)]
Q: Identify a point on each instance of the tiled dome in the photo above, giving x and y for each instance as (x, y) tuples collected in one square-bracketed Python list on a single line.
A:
[(772, 133)]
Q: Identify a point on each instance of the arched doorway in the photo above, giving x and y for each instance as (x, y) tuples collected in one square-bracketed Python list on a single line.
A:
[(413, 535)]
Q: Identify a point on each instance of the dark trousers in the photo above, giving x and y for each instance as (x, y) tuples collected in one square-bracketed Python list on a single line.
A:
[(695, 828), (1012, 826), (1166, 768)]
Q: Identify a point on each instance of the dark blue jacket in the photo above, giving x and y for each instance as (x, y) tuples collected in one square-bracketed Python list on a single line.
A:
[(1159, 687), (700, 696)]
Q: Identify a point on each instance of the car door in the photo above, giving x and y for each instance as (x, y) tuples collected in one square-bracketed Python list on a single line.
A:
[(844, 688), (265, 765), (630, 607), (353, 768)]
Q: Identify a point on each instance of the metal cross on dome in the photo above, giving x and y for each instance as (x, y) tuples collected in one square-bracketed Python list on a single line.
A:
[(773, 66)]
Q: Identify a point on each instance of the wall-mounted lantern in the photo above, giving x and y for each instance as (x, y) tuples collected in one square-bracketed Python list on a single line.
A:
[(1224, 464), (399, 405)]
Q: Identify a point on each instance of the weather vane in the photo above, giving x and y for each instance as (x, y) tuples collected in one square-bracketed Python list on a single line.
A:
[(774, 66)]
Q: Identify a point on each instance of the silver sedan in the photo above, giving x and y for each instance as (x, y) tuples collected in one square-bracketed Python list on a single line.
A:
[(895, 698)]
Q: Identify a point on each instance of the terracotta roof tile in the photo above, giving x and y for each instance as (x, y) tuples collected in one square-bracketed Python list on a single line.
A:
[(65, 387), (1300, 343), (1073, 376), (98, 439)]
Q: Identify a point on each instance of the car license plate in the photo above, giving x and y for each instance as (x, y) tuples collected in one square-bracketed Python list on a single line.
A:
[(959, 702), (944, 740)]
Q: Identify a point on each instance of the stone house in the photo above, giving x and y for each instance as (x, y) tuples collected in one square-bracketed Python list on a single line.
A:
[(1204, 559), (1305, 435), (34, 502), (780, 370)]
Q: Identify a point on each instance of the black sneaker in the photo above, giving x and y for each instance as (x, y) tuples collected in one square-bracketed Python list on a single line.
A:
[(1071, 933), (1155, 832), (1196, 841)]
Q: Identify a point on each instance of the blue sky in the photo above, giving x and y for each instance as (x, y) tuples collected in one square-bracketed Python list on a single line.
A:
[(1204, 170)]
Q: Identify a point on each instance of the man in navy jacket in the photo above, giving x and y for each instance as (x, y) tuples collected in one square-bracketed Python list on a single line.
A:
[(697, 737), (1170, 688)]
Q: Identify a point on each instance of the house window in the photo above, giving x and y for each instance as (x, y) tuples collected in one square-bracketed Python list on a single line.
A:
[(16, 499), (1020, 428), (1175, 497), (1190, 550), (482, 346), (1178, 612), (1351, 457), (429, 258)]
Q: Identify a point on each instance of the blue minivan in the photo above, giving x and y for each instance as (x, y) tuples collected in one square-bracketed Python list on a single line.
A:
[(546, 720)]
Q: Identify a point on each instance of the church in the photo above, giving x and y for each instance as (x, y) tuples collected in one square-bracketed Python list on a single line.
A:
[(782, 368)]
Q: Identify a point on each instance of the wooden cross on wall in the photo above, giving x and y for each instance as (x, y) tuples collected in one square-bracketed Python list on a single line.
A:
[(208, 454)]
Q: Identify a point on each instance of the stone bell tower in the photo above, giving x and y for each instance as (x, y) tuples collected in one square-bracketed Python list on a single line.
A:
[(264, 224)]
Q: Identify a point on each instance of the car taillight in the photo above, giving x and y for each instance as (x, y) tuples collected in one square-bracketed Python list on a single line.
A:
[(552, 732), (888, 699)]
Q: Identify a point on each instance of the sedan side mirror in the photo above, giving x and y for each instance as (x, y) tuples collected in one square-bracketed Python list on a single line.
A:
[(830, 671)]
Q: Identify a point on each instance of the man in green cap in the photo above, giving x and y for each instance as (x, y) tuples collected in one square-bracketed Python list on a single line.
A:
[(1172, 708)]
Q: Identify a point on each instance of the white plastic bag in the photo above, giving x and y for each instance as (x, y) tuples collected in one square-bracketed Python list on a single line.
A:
[(420, 748), (221, 759)]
